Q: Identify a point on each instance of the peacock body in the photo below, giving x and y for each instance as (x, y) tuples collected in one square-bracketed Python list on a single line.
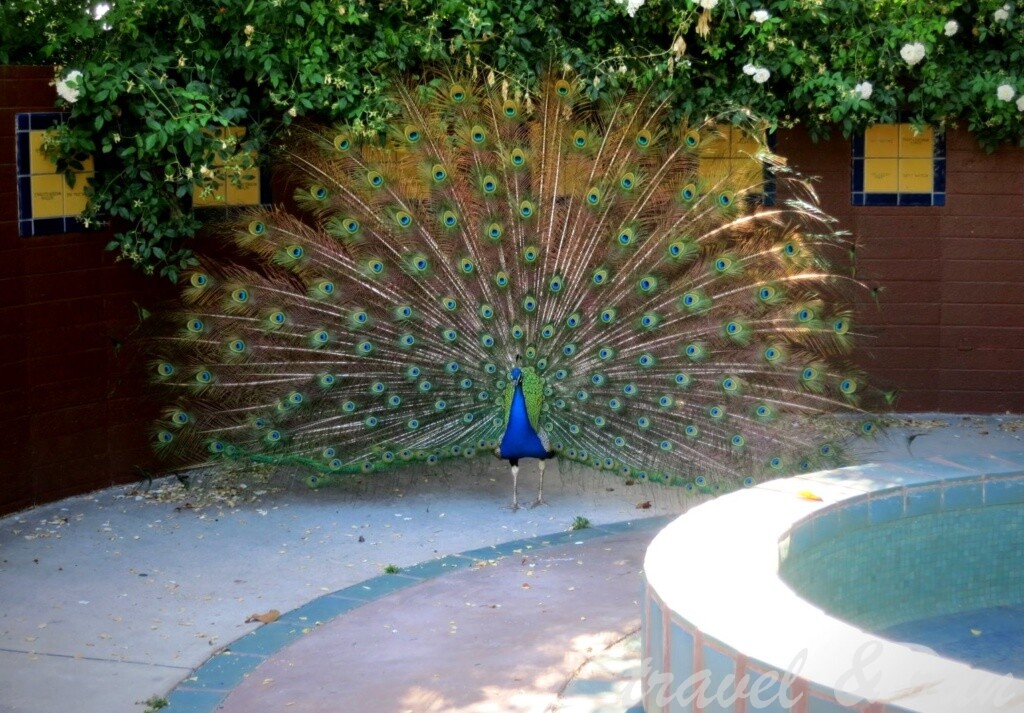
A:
[(530, 277)]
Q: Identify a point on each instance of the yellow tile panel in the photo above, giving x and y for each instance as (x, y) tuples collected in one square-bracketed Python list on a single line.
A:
[(37, 160), (248, 193), (204, 197), (881, 141), (744, 145), (75, 199), (881, 175), (916, 145), (715, 144), (47, 196), (713, 171), (916, 175)]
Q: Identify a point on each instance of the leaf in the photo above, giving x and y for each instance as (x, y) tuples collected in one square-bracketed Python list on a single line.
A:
[(808, 495), (264, 618)]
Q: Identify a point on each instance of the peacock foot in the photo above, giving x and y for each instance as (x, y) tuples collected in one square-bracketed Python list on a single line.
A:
[(538, 501)]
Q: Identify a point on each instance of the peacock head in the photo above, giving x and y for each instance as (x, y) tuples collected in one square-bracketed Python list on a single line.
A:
[(517, 373)]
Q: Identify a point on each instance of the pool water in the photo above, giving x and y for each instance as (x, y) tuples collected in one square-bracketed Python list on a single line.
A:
[(991, 638)]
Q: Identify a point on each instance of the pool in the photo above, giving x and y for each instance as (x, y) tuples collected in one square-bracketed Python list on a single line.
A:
[(881, 588), (991, 638), (951, 580)]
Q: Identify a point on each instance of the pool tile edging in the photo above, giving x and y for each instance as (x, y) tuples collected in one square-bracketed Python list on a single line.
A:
[(206, 687)]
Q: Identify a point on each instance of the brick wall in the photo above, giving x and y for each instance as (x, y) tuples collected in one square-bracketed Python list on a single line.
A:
[(71, 415), (949, 332)]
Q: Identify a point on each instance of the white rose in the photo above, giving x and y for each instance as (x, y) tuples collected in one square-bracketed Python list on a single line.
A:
[(631, 5), (1002, 14), (759, 16), (68, 87), (708, 4), (761, 75), (864, 89), (1020, 103), (1005, 92), (912, 53)]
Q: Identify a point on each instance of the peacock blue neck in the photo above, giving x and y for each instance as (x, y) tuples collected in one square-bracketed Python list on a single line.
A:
[(521, 439)]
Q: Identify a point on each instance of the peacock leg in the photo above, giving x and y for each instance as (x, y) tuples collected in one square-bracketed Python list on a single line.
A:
[(515, 484), (540, 490)]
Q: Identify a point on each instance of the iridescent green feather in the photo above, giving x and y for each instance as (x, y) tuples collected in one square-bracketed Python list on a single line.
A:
[(669, 325)]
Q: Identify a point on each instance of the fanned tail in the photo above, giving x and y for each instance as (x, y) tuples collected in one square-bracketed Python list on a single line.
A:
[(682, 330)]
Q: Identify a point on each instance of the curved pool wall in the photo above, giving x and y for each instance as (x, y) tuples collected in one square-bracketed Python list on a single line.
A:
[(723, 629)]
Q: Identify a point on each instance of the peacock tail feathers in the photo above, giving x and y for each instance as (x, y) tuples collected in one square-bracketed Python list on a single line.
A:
[(670, 326)]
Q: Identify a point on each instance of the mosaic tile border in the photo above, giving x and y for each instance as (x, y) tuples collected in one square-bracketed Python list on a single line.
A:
[(743, 619), (28, 226), (861, 197), (208, 685)]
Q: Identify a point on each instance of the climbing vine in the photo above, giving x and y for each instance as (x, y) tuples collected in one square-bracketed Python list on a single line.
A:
[(148, 83)]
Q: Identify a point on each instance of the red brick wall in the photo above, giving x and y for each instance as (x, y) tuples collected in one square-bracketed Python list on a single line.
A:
[(71, 415), (949, 332)]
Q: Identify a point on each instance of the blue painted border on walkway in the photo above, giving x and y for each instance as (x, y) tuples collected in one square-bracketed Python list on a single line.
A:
[(207, 687)]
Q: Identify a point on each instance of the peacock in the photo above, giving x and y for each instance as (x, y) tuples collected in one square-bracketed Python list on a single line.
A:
[(527, 275)]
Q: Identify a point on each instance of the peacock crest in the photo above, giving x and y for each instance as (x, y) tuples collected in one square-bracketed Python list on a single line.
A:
[(496, 273)]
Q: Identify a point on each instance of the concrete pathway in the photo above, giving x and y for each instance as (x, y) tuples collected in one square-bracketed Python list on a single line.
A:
[(115, 598)]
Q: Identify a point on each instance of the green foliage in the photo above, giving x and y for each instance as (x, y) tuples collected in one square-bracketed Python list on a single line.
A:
[(392, 569), (155, 704), (579, 523), (158, 74)]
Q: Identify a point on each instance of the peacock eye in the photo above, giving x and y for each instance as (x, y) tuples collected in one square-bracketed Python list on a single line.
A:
[(342, 142), (457, 93)]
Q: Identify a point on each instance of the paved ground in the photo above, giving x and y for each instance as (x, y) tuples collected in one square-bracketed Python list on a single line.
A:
[(113, 598)]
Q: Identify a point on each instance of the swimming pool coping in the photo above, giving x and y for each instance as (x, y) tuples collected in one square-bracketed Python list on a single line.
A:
[(744, 619)]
